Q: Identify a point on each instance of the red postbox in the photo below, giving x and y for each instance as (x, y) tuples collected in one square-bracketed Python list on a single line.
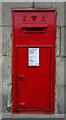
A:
[(34, 35)]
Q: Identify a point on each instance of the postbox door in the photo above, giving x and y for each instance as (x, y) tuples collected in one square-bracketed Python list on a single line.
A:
[(34, 72)]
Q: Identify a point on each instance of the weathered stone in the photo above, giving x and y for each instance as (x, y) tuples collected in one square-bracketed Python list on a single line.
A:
[(57, 46), (65, 71), (65, 99), (7, 10), (0, 66), (6, 79), (65, 17), (58, 41), (16, 0), (0, 84), (0, 41), (60, 19), (6, 41), (4, 99), (59, 7), (64, 13), (58, 32), (42, 5), (60, 99), (6, 70), (63, 41), (59, 71), (34, 116), (9, 99), (0, 13)]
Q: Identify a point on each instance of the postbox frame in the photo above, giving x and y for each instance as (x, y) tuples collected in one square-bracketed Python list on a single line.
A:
[(14, 88)]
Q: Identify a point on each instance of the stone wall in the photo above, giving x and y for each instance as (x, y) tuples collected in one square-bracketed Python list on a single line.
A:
[(7, 48)]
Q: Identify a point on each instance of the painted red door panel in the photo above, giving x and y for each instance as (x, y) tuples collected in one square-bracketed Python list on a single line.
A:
[(34, 34), (33, 90)]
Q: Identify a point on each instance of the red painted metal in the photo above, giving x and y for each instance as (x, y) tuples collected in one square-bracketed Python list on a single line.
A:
[(33, 86), (33, 25)]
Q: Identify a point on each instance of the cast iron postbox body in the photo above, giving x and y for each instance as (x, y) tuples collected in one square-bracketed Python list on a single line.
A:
[(34, 34)]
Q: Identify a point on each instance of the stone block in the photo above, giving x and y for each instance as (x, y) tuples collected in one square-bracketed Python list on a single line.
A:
[(0, 13), (6, 70), (65, 71), (57, 46), (64, 13), (0, 84), (59, 71), (4, 99), (60, 99), (42, 5), (60, 19), (65, 99), (65, 17), (7, 10), (0, 41), (17, 1), (63, 41), (58, 32), (6, 41), (6, 80), (63, 52), (34, 116), (58, 41), (59, 7)]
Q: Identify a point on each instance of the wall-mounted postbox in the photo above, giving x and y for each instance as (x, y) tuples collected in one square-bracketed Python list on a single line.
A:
[(34, 34)]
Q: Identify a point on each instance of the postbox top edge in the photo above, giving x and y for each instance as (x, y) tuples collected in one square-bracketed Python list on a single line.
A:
[(45, 10)]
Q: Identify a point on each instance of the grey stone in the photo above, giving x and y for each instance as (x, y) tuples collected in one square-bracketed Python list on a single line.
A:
[(0, 70), (0, 13), (7, 10), (63, 29), (6, 79), (65, 99), (9, 100), (60, 99), (59, 71), (65, 71), (58, 32), (0, 84), (42, 5), (33, 116), (0, 41), (57, 46), (6, 70), (59, 7), (17, 1), (4, 98), (65, 17), (58, 41), (6, 41), (0, 99), (60, 19), (64, 47)]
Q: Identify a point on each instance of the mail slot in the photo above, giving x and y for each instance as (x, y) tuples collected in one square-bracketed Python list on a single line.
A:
[(33, 68)]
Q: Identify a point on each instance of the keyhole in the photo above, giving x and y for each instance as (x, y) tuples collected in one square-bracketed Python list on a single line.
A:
[(20, 78)]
